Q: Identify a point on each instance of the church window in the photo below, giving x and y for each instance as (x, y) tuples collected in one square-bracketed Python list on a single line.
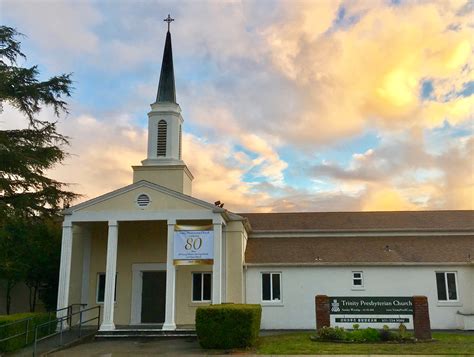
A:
[(202, 287), (446, 283), (161, 138), (271, 287), (357, 280), (143, 200), (101, 288)]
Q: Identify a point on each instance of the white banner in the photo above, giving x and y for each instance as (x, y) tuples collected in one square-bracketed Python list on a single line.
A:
[(193, 247)]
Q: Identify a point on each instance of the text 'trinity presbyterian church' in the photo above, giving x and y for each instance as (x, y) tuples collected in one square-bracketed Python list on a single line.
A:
[(150, 253)]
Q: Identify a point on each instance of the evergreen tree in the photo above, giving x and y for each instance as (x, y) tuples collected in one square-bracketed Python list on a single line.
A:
[(26, 193)]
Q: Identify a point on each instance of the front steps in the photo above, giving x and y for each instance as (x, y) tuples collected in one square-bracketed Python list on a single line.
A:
[(145, 333)]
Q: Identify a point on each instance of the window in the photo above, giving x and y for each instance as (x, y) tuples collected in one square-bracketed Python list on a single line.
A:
[(101, 288), (357, 280), (446, 283), (202, 287), (271, 287), (161, 138)]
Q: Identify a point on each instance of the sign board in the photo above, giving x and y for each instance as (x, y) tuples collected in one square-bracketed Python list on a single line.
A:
[(193, 245), (368, 305), (379, 320)]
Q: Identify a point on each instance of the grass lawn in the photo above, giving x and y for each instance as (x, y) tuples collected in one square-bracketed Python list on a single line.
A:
[(300, 343)]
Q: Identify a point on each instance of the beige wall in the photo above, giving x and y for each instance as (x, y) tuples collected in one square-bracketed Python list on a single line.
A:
[(145, 242), (138, 242), (173, 177), (20, 296), (127, 202), (235, 237), (185, 308)]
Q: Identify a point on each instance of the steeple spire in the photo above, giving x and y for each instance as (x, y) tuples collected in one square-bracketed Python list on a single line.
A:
[(166, 88), (163, 164)]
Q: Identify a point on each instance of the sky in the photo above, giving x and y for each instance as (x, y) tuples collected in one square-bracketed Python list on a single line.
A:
[(287, 105)]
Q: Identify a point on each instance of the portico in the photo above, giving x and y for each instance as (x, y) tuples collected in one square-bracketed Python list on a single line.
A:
[(127, 242)]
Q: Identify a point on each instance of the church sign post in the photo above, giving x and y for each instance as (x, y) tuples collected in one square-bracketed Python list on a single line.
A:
[(374, 310), (358, 307)]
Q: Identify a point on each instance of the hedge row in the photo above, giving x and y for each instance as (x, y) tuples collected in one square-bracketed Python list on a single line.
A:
[(20, 327), (228, 325)]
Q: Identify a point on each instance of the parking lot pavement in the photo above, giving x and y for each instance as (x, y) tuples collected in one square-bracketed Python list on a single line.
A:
[(131, 347)]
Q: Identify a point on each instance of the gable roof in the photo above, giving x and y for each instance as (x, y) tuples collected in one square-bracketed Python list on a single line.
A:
[(140, 184), (362, 221), (360, 250)]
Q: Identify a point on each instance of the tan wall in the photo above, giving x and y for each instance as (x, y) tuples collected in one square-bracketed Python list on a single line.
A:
[(174, 178), (145, 242), (235, 236), (138, 242), (20, 296), (127, 202), (185, 308)]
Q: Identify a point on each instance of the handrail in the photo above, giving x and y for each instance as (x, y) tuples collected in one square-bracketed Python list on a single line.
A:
[(26, 330), (60, 321), (27, 322)]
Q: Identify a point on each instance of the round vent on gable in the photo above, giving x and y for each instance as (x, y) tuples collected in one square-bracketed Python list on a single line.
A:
[(143, 200)]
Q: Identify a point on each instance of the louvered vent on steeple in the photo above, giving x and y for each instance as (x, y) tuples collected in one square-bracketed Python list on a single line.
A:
[(161, 138)]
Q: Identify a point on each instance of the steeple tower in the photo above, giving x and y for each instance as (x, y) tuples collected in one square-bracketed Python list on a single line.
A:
[(166, 88), (163, 164)]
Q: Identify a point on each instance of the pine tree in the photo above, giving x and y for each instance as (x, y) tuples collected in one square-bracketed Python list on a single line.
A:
[(26, 154), (27, 195)]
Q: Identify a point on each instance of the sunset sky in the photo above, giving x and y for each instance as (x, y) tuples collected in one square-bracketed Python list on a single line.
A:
[(288, 105)]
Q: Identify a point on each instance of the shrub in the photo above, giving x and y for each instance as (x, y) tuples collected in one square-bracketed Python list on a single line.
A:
[(228, 325), (371, 335), (332, 333), (20, 327), (403, 334), (386, 334)]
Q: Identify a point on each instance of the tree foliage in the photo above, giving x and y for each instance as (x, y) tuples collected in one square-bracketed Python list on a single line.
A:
[(26, 154), (30, 201)]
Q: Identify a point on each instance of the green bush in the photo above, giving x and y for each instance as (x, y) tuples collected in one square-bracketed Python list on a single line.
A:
[(228, 325), (332, 333), (403, 334), (20, 327), (386, 334), (364, 335)]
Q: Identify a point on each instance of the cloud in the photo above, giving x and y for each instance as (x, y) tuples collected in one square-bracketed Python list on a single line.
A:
[(256, 83), (371, 71), (65, 28), (403, 175)]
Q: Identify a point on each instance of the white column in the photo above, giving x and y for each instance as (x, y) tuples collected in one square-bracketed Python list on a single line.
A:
[(217, 266), (170, 280), (65, 268), (110, 272)]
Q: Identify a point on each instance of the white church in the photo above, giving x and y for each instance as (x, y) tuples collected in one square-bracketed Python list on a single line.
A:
[(150, 253)]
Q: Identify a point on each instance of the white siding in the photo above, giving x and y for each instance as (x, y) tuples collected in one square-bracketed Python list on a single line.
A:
[(301, 284)]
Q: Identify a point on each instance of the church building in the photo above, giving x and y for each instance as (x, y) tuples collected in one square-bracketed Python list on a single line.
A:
[(150, 253)]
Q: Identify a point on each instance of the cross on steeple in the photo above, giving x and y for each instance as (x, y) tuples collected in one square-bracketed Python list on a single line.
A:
[(168, 20)]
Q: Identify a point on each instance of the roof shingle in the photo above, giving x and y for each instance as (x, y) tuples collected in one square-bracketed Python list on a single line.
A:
[(362, 221), (371, 249)]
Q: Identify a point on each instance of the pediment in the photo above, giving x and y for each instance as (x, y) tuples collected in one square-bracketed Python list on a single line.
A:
[(125, 199)]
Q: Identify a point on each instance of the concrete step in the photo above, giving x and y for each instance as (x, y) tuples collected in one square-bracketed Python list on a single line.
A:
[(131, 333)]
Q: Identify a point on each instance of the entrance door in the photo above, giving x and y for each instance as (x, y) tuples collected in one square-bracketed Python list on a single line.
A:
[(153, 296)]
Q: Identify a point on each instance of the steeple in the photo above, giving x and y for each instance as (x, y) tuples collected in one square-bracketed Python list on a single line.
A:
[(166, 88), (163, 164)]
